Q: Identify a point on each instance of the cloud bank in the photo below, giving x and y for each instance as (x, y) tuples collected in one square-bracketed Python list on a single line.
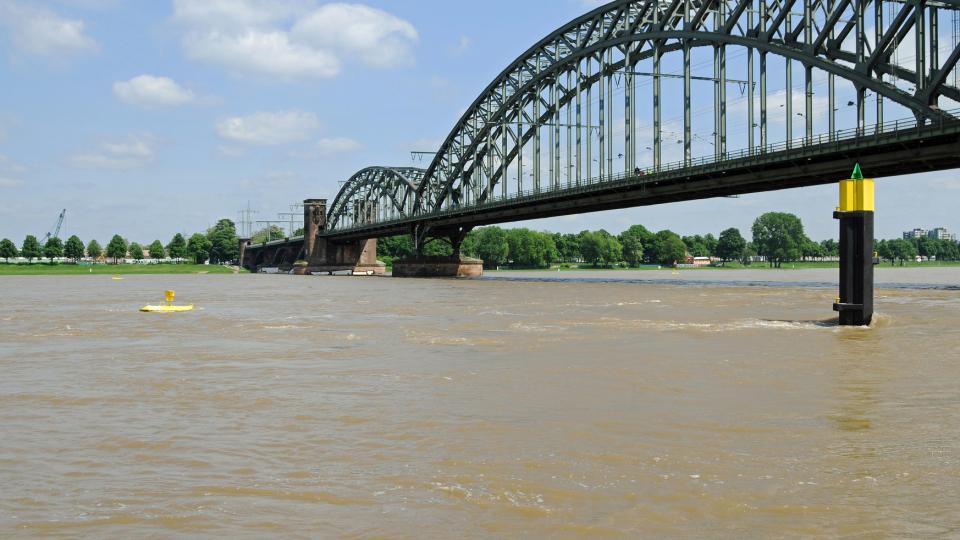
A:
[(152, 91), (292, 40)]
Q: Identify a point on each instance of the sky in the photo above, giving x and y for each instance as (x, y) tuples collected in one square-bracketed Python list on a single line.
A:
[(152, 117)]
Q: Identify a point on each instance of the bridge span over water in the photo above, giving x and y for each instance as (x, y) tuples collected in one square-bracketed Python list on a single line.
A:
[(648, 102)]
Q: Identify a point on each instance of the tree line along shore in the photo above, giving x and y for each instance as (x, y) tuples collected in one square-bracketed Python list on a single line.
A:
[(218, 245), (775, 238)]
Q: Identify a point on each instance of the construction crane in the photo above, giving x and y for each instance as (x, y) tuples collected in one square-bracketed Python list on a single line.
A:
[(56, 228)]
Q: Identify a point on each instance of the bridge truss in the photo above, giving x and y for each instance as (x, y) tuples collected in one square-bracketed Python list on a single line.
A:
[(638, 90)]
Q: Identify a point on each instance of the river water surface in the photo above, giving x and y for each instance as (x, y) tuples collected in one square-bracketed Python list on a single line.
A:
[(659, 406)]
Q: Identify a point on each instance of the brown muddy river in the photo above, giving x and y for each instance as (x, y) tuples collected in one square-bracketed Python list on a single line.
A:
[(298, 407)]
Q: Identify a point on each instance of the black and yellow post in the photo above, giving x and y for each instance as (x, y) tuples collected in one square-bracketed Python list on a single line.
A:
[(856, 250)]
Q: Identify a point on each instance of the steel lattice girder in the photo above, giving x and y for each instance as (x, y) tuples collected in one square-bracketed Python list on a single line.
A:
[(619, 35), (395, 185)]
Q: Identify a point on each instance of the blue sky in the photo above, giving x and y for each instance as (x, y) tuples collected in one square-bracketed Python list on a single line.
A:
[(151, 117)]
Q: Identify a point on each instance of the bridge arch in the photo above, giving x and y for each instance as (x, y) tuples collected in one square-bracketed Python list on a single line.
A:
[(614, 38), (375, 192), (562, 90)]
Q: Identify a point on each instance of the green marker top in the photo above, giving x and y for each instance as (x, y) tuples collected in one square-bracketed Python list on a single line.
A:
[(857, 175)]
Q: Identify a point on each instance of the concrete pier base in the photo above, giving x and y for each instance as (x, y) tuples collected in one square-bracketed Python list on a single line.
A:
[(460, 267), (377, 269)]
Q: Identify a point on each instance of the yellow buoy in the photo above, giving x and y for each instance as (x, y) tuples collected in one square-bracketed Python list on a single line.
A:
[(117, 278), (168, 307)]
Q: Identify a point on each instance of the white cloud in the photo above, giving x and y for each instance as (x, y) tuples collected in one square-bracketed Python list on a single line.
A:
[(235, 13), (130, 153), (266, 128), (152, 91), (292, 39), (43, 32), (378, 38), (262, 53)]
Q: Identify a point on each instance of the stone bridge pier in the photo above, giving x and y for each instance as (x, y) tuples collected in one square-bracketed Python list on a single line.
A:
[(313, 253), (323, 255), (454, 265)]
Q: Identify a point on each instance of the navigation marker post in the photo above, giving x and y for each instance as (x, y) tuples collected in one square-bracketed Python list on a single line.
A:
[(855, 213)]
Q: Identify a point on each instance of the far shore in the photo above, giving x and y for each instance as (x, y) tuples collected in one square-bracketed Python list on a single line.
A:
[(45, 269), (809, 273)]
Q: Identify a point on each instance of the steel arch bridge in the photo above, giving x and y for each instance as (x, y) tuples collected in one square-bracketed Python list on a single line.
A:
[(643, 102)]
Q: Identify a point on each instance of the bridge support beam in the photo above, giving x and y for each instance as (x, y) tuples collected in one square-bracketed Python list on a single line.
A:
[(855, 213), (452, 266), (357, 257), (314, 221), (243, 261), (423, 266)]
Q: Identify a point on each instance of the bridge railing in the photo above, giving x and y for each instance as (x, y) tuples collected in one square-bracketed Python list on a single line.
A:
[(802, 146)]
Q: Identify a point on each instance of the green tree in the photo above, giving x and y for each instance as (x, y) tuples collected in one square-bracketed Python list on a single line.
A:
[(267, 234), (950, 251), (901, 250), (701, 246), (710, 242), (136, 251), (8, 249), (177, 248), (531, 249), (30, 249), (489, 244), (635, 241), (830, 248), (156, 250), (395, 247), (926, 246), (117, 248), (438, 247), (731, 245), (568, 247), (224, 243), (668, 248), (53, 249), (94, 251), (811, 249), (600, 248), (779, 237), (73, 249), (198, 247)]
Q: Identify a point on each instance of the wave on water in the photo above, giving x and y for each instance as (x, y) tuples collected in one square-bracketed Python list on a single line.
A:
[(735, 326), (715, 283)]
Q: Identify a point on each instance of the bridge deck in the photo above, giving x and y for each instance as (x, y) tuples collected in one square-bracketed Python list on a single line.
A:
[(788, 165)]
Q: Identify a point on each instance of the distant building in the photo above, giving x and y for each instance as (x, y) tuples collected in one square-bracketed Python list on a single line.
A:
[(914, 234), (941, 233)]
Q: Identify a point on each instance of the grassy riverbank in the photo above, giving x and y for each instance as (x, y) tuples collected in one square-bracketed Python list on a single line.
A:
[(109, 269)]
